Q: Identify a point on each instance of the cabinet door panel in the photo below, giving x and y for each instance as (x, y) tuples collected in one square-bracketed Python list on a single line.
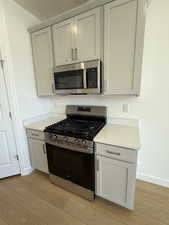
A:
[(43, 61), (88, 35), (113, 180), (116, 181), (120, 41), (63, 41), (38, 155)]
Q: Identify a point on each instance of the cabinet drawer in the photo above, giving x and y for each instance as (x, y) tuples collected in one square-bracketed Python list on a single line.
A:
[(35, 134), (116, 152)]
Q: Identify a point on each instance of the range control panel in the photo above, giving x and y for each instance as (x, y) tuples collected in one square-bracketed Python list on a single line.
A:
[(74, 144)]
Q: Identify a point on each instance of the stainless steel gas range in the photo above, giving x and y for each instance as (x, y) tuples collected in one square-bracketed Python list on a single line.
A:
[(70, 149)]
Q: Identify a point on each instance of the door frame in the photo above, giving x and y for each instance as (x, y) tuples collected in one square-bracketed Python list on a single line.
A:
[(9, 114), (17, 122)]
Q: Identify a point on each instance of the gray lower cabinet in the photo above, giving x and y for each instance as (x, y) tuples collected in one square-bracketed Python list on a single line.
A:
[(116, 174), (37, 151)]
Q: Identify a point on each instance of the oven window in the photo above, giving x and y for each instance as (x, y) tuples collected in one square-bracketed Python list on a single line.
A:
[(69, 80), (74, 166), (91, 77)]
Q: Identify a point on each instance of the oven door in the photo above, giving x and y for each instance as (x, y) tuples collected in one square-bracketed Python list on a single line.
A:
[(69, 82), (73, 166)]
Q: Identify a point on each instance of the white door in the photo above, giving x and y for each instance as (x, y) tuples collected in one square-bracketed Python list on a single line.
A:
[(63, 42), (37, 150), (9, 164), (43, 61), (88, 35)]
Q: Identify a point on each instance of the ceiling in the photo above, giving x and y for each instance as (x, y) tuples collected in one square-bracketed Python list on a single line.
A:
[(44, 9)]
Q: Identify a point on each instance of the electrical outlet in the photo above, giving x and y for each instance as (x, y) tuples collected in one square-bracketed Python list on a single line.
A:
[(125, 108)]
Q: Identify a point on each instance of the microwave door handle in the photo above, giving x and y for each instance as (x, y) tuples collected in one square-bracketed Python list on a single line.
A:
[(85, 78)]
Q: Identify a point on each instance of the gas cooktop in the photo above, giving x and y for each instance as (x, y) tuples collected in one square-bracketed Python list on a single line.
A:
[(76, 127)]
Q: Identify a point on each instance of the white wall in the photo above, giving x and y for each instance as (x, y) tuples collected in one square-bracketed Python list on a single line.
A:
[(152, 107), (16, 50), (17, 21)]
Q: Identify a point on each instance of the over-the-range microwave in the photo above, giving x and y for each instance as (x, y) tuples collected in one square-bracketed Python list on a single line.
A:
[(78, 78)]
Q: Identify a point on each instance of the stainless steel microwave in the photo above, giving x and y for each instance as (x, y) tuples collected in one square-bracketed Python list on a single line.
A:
[(78, 78)]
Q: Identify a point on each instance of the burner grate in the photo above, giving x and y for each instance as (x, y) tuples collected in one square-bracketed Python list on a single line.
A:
[(76, 128)]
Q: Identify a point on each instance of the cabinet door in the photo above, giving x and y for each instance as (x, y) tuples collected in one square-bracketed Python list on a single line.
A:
[(88, 35), (43, 61), (63, 42), (116, 181), (38, 155), (120, 47)]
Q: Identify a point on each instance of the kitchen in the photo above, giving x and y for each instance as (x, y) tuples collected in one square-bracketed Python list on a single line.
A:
[(126, 106)]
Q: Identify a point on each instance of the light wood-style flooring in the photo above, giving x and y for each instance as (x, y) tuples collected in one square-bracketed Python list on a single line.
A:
[(33, 200)]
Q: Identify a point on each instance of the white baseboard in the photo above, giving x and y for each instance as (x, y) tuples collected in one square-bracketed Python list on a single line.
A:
[(26, 171), (152, 179)]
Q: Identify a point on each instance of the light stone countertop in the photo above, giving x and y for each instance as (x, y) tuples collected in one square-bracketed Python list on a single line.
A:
[(42, 124), (112, 134), (119, 135)]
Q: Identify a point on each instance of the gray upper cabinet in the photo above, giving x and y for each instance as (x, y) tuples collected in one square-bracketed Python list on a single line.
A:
[(88, 35), (123, 46), (78, 38), (63, 42), (43, 61), (112, 32)]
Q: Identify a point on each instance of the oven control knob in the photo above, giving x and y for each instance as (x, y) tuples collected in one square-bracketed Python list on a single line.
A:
[(84, 142), (77, 141), (66, 139), (53, 137)]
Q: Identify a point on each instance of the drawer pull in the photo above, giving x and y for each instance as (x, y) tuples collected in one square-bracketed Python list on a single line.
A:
[(113, 153), (36, 135)]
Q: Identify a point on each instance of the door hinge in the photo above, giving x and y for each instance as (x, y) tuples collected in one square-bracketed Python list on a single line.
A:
[(10, 115), (17, 157)]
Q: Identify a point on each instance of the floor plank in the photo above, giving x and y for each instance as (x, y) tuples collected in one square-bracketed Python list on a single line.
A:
[(2, 222), (33, 200)]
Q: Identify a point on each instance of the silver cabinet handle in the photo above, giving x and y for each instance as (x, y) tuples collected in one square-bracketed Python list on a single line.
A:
[(53, 88), (44, 148), (97, 165), (35, 135), (113, 153), (105, 86), (72, 52), (76, 53)]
